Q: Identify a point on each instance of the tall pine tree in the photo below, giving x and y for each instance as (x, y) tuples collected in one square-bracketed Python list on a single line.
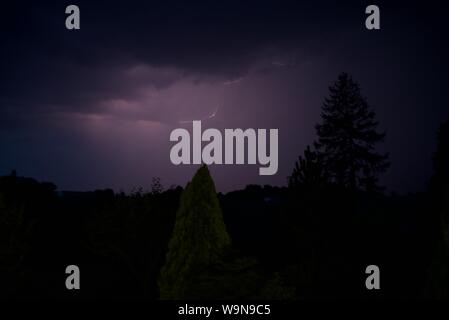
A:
[(439, 190), (198, 240), (347, 138), (439, 185)]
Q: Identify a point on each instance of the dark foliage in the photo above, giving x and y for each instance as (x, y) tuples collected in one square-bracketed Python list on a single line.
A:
[(199, 237), (347, 137), (308, 172), (439, 187)]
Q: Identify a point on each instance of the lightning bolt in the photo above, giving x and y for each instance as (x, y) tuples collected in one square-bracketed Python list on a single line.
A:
[(212, 115)]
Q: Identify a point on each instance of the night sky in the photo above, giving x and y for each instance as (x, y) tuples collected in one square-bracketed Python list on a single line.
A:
[(94, 108)]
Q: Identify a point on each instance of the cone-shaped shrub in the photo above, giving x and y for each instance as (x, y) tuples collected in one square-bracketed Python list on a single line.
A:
[(199, 237)]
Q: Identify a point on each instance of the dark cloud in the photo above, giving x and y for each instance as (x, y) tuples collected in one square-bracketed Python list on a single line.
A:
[(136, 65), (48, 64)]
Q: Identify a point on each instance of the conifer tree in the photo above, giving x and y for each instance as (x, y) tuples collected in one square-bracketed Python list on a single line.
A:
[(439, 185), (347, 137), (439, 190), (198, 240), (308, 171)]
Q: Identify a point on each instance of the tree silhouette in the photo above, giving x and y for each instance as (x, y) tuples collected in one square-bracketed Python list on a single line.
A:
[(199, 237), (347, 137), (308, 171), (440, 180), (12, 231), (156, 186), (445, 217), (439, 189)]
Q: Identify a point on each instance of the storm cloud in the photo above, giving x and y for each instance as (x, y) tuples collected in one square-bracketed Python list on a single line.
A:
[(94, 107)]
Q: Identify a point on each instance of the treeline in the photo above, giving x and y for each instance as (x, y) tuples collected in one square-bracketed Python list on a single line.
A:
[(279, 243)]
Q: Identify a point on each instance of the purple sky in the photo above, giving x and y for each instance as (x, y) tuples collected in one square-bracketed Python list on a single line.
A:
[(94, 108)]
